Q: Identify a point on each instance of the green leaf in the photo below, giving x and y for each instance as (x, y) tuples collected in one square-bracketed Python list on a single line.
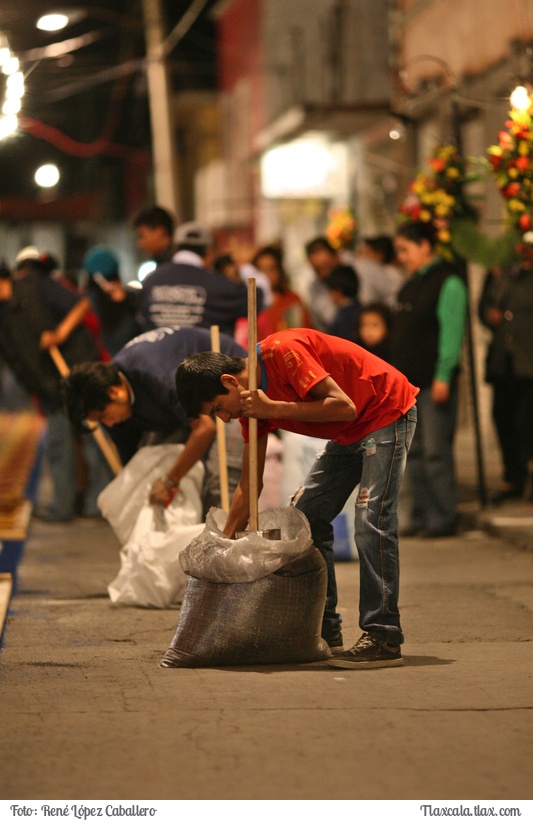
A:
[(472, 244)]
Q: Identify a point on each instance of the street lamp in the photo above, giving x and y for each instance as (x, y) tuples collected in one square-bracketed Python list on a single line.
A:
[(52, 22), (47, 176), (520, 98), (157, 48), (14, 89)]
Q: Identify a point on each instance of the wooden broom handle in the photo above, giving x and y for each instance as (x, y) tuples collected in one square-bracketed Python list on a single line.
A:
[(107, 448), (252, 422), (221, 437)]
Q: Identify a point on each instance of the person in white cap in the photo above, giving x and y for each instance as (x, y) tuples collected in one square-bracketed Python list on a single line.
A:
[(187, 292)]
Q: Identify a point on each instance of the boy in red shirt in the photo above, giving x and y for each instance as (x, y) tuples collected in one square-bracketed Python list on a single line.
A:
[(319, 385)]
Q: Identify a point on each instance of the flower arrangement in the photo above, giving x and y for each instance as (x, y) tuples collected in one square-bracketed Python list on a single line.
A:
[(511, 161), (341, 229), (438, 196)]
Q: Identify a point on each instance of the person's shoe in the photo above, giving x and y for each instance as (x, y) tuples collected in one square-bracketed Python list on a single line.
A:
[(503, 495), (368, 653), (51, 517), (335, 642)]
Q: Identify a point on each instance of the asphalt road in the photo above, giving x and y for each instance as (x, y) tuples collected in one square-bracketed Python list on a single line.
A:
[(86, 712)]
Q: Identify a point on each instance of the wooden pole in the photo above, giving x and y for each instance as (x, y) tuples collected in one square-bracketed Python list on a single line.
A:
[(107, 448), (221, 437), (482, 488), (252, 386)]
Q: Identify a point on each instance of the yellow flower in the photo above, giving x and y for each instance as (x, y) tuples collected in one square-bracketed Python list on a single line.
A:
[(515, 205), (444, 236), (425, 216), (523, 148), (453, 173)]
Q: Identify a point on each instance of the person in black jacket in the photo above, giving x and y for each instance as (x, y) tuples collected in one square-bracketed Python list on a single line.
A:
[(506, 308), (426, 344), (186, 292), (114, 304), (37, 313)]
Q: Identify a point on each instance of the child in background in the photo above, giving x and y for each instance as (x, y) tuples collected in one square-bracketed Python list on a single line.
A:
[(374, 327), (343, 287)]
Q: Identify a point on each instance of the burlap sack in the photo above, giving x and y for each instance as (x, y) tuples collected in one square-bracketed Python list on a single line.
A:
[(274, 620)]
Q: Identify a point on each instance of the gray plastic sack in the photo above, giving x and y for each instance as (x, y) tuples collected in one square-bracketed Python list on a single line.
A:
[(275, 620), (212, 556)]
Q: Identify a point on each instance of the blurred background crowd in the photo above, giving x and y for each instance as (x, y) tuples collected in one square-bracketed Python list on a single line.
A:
[(338, 152)]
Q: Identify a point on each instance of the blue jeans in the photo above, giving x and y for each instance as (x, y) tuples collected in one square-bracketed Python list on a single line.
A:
[(431, 467), (61, 456), (377, 464)]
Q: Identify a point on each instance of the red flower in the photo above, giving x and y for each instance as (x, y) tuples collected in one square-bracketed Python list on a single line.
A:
[(524, 221), (506, 141), (437, 164), (511, 190), (495, 161), (522, 163)]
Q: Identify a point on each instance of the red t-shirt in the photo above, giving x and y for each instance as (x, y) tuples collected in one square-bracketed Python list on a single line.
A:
[(295, 360)]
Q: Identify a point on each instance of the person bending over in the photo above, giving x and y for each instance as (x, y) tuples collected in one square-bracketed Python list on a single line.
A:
[(135, 397), (319, 385)]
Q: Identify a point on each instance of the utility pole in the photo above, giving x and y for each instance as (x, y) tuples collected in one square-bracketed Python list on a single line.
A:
[(166, 175), (482, 489)]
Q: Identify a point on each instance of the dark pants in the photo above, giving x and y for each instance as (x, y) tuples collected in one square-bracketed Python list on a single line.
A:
[(512, 412)]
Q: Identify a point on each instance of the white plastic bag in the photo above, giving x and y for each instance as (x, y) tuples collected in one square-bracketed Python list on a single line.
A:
[(152, 537), (150, 573), (212, 556), (121, 501)]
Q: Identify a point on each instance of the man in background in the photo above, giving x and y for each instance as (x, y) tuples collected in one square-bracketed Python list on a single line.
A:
[(154, 227), (187, 292)]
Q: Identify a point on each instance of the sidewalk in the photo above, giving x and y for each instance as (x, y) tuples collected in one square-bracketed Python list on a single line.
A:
[(511, 521)]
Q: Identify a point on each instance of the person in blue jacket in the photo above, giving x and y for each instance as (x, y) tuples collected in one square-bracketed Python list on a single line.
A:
[(187, 292), (135, 397)]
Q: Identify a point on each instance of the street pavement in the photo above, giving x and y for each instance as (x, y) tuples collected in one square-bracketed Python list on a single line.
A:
[(87, 713)]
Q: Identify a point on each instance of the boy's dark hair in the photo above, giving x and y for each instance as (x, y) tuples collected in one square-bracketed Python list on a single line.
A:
[(86, 389), (220, 263), (319, 244), (198, 379), (343, 279), (383, 246), (154, 216), (5, 271), (418, 231), (380, 309)]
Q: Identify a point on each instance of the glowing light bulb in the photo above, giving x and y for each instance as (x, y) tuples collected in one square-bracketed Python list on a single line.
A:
[(52, 22), (520, 98), (47, 176)]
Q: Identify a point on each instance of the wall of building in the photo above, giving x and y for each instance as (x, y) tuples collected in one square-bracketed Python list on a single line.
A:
[(470, 35)]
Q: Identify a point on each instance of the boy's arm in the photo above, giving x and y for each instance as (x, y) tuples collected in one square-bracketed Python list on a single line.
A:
[(67, 325), (240, 504), (329, 404), (203, 431)]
